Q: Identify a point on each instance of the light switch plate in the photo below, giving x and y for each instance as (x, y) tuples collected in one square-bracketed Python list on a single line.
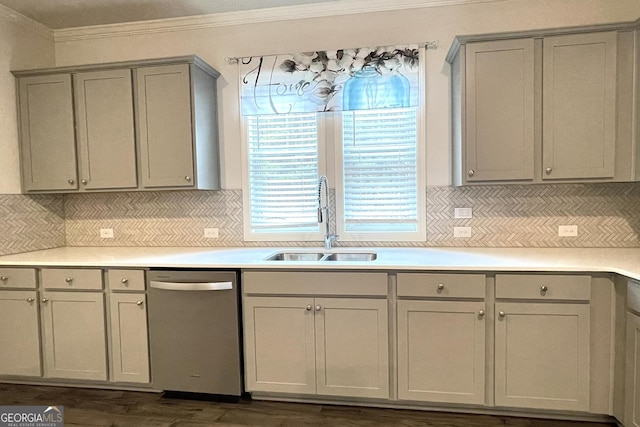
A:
[(106, 233), (568, 230), (461, 231), (211, 233), (463, 212)]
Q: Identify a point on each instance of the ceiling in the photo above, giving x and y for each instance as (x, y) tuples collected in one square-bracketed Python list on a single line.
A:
[(58, 14)]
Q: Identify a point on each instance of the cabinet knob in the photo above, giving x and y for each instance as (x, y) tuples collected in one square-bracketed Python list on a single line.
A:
[(543, 289), (548, 171), (69, 280), (187, 178), (481, 313), (308, 308), (45, 300), (501, 314), (471, 172), (125, 281), (4, 278), (440, 286), (30, 299), (139, 303), (318, 308), (84, 181), (71, 181)]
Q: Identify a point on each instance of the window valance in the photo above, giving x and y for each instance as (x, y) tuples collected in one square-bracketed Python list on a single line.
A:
[(331, 80)]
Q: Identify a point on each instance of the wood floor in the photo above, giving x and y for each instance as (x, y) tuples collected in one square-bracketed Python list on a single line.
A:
[(90, 407)]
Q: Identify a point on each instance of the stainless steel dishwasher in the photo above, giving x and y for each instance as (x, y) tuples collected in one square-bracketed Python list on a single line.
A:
[(194, 331)]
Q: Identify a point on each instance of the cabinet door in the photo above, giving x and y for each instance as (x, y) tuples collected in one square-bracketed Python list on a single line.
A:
[(19, 334), (164, 122), (129, 340), (499, 110), (352, 347), (542, 356), (47, 138), (579, 106), (632, 404), (74, 335), (279, 344), (429, 333), (104, 120)]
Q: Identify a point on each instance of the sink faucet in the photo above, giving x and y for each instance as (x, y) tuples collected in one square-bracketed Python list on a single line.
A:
[(324, 212)]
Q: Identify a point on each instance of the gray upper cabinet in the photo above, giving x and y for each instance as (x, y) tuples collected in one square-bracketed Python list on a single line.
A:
[(47, 133), (547, 106), (105, 132), (500, 107), (579, 106), (145, 125), (177, 126)]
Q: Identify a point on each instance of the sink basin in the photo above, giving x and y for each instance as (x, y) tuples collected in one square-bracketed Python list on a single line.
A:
[(319, 256), (295, 256), (351, 256)]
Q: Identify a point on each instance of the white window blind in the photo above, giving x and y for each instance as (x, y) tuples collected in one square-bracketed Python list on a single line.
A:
[(380, 171), (283, 172)]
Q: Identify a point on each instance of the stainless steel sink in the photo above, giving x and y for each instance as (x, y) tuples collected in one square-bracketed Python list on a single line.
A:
[(319, 256), (351, 256), (295, 256)]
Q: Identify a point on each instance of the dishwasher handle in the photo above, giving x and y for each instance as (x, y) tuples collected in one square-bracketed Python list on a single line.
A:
[(186, 286)]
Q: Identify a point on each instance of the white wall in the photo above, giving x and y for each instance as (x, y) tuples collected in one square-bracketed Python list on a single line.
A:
[(23, 45), (215, 43)]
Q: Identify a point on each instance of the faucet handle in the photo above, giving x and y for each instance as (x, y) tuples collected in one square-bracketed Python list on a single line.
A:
[(320, 216)]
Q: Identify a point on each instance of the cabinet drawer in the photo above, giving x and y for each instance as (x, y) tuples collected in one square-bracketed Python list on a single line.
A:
[(633, 296), (441, 285), (126, 280), (543, 286), (17, 278), (71, 278), (315, 283)]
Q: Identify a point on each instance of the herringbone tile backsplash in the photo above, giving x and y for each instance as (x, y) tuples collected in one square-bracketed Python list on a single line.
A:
[(30, 223), (607, 215)]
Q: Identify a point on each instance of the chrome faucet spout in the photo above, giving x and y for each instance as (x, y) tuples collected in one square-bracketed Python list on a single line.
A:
[(324, 211)]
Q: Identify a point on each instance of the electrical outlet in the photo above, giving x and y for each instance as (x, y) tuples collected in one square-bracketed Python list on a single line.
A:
[(568, 230), (463, 212), (106, 233), (461, 231), (211, 233)]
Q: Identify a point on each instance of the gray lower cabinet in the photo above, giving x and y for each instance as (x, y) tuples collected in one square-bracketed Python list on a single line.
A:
[(136, 126), (543, 107), (20, 334), (632, 373), (129, 349), (47, 141), (74, 337)]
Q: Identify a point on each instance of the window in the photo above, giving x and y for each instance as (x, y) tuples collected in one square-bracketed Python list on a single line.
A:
[(379, 193), (283, 174), (378, 185)]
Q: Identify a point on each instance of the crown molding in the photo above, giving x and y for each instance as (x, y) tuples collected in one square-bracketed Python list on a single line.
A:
[(13, 17), (249, 17)]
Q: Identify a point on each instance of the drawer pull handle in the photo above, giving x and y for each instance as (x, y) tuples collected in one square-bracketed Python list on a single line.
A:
[(30, 299), (440, 286), (318, 307), (543, 289), (125, 281), (4, 278), (481, 313), (69, 280), (308, 308), (501, 314), (471, 172), (139, 303), (44, 300)]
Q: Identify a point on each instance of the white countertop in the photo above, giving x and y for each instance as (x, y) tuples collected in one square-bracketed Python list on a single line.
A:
[(607, 260)]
